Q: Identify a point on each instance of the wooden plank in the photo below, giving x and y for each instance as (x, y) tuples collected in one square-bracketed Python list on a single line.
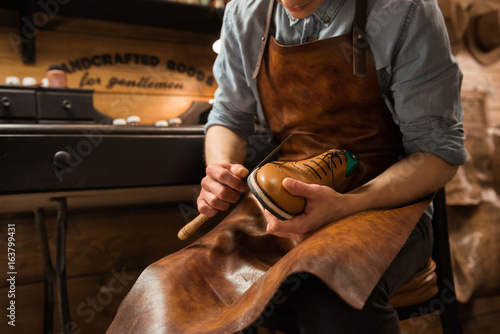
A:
[(76, 25), (99, 240), (93, 301), (480, 307), (149, 107), (10, 18), (93, 199), (426, 324), (481, 79), (480, 315)]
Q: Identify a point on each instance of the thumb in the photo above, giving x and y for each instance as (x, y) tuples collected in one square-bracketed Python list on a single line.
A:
[(239, 170), (295, 187)]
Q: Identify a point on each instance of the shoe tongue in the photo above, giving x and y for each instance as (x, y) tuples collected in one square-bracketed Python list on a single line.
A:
[(352, 163)]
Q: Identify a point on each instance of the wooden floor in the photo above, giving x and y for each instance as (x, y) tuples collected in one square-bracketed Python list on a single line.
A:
[(478, 317), (481, 316)]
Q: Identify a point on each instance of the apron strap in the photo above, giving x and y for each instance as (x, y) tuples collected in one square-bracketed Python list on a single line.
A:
[(264, 39), (359, 42)]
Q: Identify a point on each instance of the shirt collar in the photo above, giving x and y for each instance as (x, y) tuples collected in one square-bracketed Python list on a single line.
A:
[(325, 14)]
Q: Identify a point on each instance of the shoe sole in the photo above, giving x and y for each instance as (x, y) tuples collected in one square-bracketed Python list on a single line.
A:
[(264, 199)]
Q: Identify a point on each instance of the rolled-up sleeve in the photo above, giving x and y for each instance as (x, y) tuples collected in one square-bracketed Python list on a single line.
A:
[(425, 87), (235, 103)]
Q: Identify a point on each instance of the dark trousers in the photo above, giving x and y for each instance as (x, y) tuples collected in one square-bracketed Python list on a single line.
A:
[(303, 304)]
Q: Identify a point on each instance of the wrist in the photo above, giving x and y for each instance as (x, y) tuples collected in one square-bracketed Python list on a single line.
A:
[(356, 201)]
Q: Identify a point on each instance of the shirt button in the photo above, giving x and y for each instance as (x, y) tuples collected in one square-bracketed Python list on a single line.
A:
[(327, 19)]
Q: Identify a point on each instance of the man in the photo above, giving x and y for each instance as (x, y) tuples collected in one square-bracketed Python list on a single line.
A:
[(385, 87)]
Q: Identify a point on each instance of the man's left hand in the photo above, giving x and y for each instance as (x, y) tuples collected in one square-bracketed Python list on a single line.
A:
[(323, 206)]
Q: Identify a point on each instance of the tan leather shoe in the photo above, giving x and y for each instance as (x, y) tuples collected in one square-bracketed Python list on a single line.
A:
[(332, 168)]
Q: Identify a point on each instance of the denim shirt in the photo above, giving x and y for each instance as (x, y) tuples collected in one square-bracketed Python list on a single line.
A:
[(419, 78)]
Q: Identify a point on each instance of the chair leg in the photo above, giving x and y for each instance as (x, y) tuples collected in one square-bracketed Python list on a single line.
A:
[(441, 253)]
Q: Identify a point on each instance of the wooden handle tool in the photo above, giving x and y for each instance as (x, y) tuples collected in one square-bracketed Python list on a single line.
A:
[(192, 226)]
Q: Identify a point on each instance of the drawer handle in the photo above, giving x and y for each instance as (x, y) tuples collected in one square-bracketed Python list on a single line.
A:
[(66, 104), (62, 159), (6, 101)]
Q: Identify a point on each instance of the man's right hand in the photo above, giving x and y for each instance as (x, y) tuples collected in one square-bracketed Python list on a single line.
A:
[(221, 187)]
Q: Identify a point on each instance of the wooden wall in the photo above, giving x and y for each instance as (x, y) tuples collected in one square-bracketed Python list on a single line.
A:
[(473, 195), (108, 246), (155, 73), (480, 83)]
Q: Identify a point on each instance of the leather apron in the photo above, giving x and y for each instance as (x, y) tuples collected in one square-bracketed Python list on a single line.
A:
[(224, 281), (310, 90)]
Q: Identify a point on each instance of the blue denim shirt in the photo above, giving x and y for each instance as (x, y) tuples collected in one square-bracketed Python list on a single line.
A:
[(418, 76)]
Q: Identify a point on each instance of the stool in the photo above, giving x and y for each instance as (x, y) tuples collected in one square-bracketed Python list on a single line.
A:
[(444, 300), (430, 290)]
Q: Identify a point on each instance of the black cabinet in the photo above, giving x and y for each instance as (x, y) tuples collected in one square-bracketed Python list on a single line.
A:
[(68, 157), (43, 158)]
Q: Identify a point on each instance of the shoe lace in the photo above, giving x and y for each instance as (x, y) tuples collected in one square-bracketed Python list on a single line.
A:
[(327, 158)]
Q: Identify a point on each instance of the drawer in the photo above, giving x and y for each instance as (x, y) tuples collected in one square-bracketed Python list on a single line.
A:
[(17, 103), (96, 160), (62, 157), (63, 104)]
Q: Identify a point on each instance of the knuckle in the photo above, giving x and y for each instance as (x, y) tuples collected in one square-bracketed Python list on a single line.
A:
[(270, 228), (213, 170), (209, 169), (204, 182), (211, 201), (201, 203), (228, 194)]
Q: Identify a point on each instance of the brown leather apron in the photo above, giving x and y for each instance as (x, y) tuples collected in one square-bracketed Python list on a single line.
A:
[(223, 282), (310, 90)]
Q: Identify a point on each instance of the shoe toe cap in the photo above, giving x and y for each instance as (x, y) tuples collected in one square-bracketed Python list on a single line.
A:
[(270, 179)]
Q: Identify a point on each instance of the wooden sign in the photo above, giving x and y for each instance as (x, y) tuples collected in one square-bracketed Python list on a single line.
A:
[(145, 77)]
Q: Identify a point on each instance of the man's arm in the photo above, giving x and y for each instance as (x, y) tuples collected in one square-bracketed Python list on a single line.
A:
[(224, 146), (225, 153), (407, 180)]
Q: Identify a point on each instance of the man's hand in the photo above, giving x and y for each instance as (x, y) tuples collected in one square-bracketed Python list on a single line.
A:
[(220, 187), (407, 180), (323, 206)]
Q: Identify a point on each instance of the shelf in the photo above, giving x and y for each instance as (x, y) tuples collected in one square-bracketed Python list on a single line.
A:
[(155, 13), (158, 13)]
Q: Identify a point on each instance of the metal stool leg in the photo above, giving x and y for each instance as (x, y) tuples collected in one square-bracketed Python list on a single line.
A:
[(55, 276)]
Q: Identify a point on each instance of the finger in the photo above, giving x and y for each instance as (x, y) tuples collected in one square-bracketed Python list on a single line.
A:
[(227, 177), (282, 227), (295, 187), (293, 236), (204, 208), (278, 233), (207, 201), (216, 190), (239, 170)]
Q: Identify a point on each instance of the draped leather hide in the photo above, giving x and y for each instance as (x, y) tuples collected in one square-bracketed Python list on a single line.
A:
[(223, 282)]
